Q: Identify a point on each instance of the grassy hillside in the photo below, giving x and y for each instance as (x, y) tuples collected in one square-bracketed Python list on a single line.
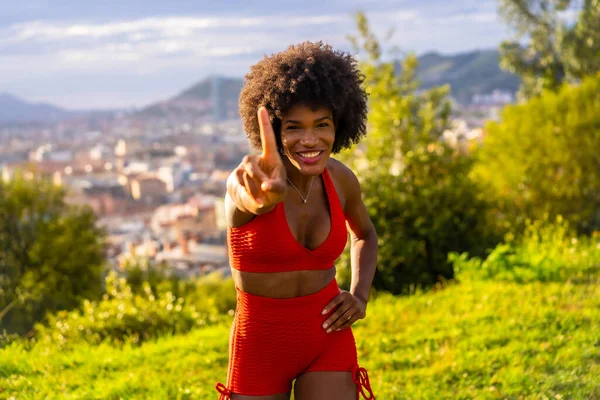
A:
[(474, 340)]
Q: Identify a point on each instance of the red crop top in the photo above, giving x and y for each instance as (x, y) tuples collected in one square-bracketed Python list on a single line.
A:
[(266, 243)]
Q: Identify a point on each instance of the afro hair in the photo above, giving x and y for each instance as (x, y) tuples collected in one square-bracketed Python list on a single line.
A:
[(312, 74)]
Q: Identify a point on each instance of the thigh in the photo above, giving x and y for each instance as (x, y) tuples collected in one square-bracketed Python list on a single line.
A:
[(280, 396), (261, 363), (339, 353), (325, 385)]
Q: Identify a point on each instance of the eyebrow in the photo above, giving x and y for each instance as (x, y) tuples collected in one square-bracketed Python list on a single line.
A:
[(299, 122)]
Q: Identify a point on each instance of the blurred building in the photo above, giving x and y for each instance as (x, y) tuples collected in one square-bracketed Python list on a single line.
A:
[(197, 217), (148, 188)]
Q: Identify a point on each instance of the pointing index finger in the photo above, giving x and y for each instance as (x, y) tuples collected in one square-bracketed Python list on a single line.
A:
[(267, 135)]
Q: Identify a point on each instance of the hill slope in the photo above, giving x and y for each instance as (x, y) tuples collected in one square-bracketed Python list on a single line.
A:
[(16, 110), (211, 99), (216, 98), (473, 340), (475, 72)]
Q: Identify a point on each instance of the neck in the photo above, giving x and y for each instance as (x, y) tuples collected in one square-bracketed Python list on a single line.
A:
[(302, 182)]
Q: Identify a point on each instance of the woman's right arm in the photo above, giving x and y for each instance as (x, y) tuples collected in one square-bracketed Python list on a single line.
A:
[(258, 183)]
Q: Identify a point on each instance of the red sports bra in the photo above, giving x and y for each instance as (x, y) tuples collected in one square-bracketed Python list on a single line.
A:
[(266, 243)]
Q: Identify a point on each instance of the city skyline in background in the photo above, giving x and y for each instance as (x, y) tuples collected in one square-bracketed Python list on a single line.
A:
[(102, 55)]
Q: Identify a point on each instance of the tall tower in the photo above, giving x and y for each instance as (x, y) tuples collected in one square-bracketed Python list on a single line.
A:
[(219, 102)]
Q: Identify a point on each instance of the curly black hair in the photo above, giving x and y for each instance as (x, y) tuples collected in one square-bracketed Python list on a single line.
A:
[(312, 74)]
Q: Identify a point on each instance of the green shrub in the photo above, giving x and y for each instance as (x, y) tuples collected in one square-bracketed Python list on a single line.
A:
[(431, 209), (211, 293), (542, 158), (546, 252), (417, 189), (50, 253), (125, 317), (7, 338)]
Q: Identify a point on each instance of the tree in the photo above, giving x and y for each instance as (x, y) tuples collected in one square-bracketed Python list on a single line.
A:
[(51, 253), (548, 152), (416, 188), (550, 47)]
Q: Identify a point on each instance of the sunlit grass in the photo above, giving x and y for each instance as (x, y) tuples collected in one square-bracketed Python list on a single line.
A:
[(474, 340)]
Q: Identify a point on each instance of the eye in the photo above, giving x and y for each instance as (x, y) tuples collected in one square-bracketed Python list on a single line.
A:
[(292, 128), (323, 125)]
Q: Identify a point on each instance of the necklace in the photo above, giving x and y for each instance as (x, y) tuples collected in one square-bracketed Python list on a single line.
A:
[(304, 200)]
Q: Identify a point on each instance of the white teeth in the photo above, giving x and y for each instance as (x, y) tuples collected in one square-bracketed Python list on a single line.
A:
[(311, 154)]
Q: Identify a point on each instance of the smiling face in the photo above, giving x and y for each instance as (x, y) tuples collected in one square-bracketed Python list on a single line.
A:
[(307, 135)]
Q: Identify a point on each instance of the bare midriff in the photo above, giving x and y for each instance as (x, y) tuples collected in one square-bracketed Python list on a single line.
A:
[(283, 285)]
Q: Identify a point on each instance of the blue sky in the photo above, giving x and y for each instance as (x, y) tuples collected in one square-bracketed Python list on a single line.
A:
[(103, 54)]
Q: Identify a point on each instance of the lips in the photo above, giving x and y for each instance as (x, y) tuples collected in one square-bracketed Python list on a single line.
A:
[(310, 157)]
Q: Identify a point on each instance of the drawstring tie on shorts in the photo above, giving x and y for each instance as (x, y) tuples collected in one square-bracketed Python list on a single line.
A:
[(359, 376), (225, 393), (361, 379)]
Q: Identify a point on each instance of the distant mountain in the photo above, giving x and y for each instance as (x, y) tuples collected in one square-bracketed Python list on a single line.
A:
[(16, 110), (212, 99), (216, 98), (475, 72)]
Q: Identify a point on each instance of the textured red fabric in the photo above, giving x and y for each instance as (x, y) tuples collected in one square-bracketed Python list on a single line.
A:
[(273, 341), (266, 244)]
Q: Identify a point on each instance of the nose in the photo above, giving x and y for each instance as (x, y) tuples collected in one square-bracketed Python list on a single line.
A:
[(309, 138)]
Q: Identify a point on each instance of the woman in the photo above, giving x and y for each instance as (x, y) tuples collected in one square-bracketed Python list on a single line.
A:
[(289, 211)]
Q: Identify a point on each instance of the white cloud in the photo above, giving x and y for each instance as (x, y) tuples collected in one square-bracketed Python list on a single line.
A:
[(136, 53), (395, 15), (151, 38), (465, 18), (163, 26)]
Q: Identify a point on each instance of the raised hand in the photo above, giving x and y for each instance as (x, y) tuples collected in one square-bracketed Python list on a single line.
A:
[(263, 177)]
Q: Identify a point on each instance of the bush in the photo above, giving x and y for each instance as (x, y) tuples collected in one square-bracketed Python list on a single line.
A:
[(7, 339), (417, 190), (51, 253), (542, 158), (211, 292), (431, 209), (546, 252), (125, 317)]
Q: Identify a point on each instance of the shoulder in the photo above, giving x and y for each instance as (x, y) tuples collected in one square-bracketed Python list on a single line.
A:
[(344, 178), (338, 170)]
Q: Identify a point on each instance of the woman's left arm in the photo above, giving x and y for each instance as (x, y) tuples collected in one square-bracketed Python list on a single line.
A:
[(351, 306)]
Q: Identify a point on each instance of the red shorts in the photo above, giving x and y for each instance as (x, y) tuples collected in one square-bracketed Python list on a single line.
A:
[(273, 341)]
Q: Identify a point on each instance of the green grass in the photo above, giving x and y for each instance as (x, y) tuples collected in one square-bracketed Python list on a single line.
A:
[(474, 340)]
